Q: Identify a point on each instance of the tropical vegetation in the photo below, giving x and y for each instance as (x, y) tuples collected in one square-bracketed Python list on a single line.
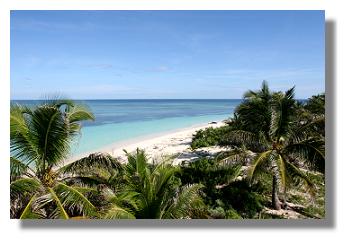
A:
[(272, 165)]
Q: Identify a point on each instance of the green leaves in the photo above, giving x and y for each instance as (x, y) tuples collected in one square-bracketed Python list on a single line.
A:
[(43, 133), (295, 174), (59, 212), (78, 113), (24, 186), (311, 151), (261, 161), (116, 212), (28, 212), (18, 169), (186, 201), (153, 190), (63, 202), (74, 200), (87, 164), (282, 113), (41, 136), (20, 134)]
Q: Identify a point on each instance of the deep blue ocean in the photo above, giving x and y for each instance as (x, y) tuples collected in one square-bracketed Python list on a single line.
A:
[(119, 120)]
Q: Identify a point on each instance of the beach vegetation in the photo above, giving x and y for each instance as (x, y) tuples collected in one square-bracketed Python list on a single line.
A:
[(40, 141), (285, 143), (209, 137), (153, 191), (272, 158)]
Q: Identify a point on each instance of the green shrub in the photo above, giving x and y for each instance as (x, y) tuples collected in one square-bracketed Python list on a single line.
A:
[(242, 197), (232, 214), (209, 137), (210, 174), (316, 104), (217, 213), (222, 211)]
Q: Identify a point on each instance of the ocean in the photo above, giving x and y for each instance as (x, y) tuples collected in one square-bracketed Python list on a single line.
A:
[(120, 120)]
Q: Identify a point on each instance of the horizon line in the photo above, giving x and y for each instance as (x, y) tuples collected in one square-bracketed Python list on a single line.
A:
[(82, 99)]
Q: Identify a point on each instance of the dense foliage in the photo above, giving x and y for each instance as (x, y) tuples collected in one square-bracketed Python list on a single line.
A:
[(97, 186), (209, 137), (223, 193), (287, 138), (276, 161)]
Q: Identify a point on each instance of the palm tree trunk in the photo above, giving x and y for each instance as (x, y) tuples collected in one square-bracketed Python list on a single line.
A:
[(275, 201)]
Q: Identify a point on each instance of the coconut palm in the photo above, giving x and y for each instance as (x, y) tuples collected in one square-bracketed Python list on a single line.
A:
[(151, 191), (255, 110), (40, 141), (282, 142)]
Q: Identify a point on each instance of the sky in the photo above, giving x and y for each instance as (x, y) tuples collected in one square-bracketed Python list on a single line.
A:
[(165, 54)]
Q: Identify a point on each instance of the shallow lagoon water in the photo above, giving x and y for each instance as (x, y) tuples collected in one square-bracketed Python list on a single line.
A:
[(120, 120)]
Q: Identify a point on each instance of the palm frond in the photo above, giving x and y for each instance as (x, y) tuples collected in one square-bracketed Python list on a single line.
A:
[(91, 181), (43, 134), (127, 198), (311, 150), (294, 173), (20, 140), (282, 112), (74, 115), (310, 128), (90, 163), (235, 156), (161, 176), (49, 134), (188, 199), (260, 161), (28, 212), (78, 113), (137, 162), (59, 212), (116, 212), (74, 200), (18, 169), (242, 137), (24, 186)]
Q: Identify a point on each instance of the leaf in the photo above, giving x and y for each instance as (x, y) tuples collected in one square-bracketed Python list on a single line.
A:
[(116, 212), (73, 199), (23, 186), (60, 209), (20, 142), (311, 150), (17, 168), (283, 109), (187, 200), (28, 213), (294, 172), (78, 113), (242, 137), (88, 164), (44, 133), (260, 161)]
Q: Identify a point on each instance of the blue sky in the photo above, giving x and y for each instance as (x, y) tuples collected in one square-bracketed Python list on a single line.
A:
[(165, 54)]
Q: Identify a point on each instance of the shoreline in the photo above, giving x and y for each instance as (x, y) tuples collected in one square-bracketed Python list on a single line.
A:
[(156, 145)]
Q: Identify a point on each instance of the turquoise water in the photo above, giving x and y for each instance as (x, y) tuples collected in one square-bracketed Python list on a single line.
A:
[(120, 120), (96, 137)]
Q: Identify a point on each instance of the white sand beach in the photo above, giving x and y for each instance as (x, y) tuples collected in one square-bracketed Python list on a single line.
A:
[(157, 146)]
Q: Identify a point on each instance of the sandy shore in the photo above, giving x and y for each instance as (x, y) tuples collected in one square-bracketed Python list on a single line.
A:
[(157, 146)]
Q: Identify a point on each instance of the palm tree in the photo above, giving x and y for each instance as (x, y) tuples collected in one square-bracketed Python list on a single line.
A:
[(282, 142), (151, 191), (255, 110), (40, 141)]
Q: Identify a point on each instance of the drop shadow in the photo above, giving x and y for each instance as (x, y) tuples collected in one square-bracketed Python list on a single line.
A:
[(326, 223)]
